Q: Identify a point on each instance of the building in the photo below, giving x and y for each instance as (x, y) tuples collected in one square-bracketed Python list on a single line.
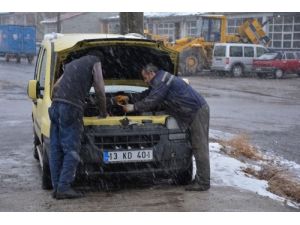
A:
[(78, 22), (282, 28)]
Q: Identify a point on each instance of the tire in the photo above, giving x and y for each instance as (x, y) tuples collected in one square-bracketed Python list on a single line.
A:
[(190, 62), (184, 177), (46, 175), (278, 74), (237, 70)]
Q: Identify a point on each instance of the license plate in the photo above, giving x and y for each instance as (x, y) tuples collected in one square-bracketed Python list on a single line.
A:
[(258, 69), (128, 156)]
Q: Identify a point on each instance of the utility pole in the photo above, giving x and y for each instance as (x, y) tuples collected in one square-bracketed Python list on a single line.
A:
[(131, 22), (58, 23)]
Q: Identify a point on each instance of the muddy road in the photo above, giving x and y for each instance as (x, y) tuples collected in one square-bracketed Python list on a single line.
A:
[(269, 117)]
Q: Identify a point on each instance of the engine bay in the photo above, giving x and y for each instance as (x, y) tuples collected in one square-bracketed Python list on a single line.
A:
[(114, 109)]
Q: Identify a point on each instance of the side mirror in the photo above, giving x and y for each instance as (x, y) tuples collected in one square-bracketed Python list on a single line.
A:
[(32, 89)]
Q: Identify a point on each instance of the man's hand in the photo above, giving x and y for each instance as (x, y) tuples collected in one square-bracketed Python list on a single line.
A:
[(128, 108), (121, 99)]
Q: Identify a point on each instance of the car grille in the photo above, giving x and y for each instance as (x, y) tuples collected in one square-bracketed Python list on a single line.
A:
[(127, 141)]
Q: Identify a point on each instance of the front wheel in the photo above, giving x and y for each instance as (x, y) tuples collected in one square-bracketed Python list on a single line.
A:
[(237, 71), (190, 62), (278, 74)]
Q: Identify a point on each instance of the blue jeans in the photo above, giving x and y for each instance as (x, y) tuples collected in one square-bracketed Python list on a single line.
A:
[(65, 142)]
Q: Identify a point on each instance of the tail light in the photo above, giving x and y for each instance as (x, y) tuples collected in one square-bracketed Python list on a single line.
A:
[(227, 60)]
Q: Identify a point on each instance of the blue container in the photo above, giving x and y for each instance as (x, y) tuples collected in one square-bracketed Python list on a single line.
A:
[(17, 41)]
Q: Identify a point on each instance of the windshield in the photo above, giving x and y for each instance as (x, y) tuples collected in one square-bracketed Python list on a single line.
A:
[(269, 56)]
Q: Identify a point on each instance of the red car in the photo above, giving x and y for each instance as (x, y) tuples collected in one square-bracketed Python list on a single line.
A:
[(277, 64)]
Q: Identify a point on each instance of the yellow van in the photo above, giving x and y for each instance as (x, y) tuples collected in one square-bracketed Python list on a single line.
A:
[(149, 144)]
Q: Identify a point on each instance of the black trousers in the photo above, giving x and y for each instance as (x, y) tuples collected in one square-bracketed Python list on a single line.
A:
[(199, 131)]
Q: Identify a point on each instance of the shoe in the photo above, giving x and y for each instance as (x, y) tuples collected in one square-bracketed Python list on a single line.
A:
[(69, 194), (197, 187)]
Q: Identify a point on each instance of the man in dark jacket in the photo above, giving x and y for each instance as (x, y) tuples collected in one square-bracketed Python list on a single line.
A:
[(66, 114), (187, 106)]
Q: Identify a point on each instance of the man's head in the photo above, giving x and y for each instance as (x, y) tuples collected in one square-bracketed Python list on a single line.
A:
[(148, 72)]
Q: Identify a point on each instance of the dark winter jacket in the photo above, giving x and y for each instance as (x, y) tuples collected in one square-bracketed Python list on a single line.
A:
[(180, 99), (76, 81)]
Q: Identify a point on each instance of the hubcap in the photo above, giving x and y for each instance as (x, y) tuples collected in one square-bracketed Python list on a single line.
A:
[(237, 71), (279, 73)]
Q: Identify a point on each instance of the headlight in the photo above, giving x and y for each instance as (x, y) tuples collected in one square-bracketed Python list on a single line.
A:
[(171, 123), (177, 133)]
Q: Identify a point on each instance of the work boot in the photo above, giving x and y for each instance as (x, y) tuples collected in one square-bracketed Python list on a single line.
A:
[(69, 194), (194, 186)]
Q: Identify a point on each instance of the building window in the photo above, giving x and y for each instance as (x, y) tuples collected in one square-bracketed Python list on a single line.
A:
[(296, 44), (166, 29), (287, 44), (149, 27), (191, 28), (285, 32)]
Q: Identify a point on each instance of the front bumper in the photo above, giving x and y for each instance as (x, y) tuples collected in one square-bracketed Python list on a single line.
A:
[(169, 156)]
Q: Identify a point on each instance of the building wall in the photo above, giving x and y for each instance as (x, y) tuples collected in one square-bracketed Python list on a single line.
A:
[(85, 23)]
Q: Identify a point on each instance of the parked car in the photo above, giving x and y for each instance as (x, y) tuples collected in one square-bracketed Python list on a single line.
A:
[(277, 64), (235, 58), (137, 144)]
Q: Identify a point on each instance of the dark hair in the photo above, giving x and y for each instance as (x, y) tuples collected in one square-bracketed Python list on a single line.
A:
[(150, 68)]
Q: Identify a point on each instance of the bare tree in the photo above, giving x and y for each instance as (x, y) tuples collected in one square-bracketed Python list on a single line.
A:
[(131, 22)]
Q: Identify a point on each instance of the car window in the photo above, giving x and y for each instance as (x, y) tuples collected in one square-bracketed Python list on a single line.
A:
[(248, 51), (260, 51), (42, 72), (37, 63), (290, 55), (236, 51), (220, 51), (297, 55)]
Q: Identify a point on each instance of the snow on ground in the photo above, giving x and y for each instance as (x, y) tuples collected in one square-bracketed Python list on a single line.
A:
[(227, 171)]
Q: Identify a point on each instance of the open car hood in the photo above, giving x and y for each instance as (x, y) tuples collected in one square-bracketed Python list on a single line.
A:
[(122, 59)]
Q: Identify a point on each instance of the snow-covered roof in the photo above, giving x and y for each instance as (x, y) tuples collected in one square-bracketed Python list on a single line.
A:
[(164, 14), (63, 16)]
